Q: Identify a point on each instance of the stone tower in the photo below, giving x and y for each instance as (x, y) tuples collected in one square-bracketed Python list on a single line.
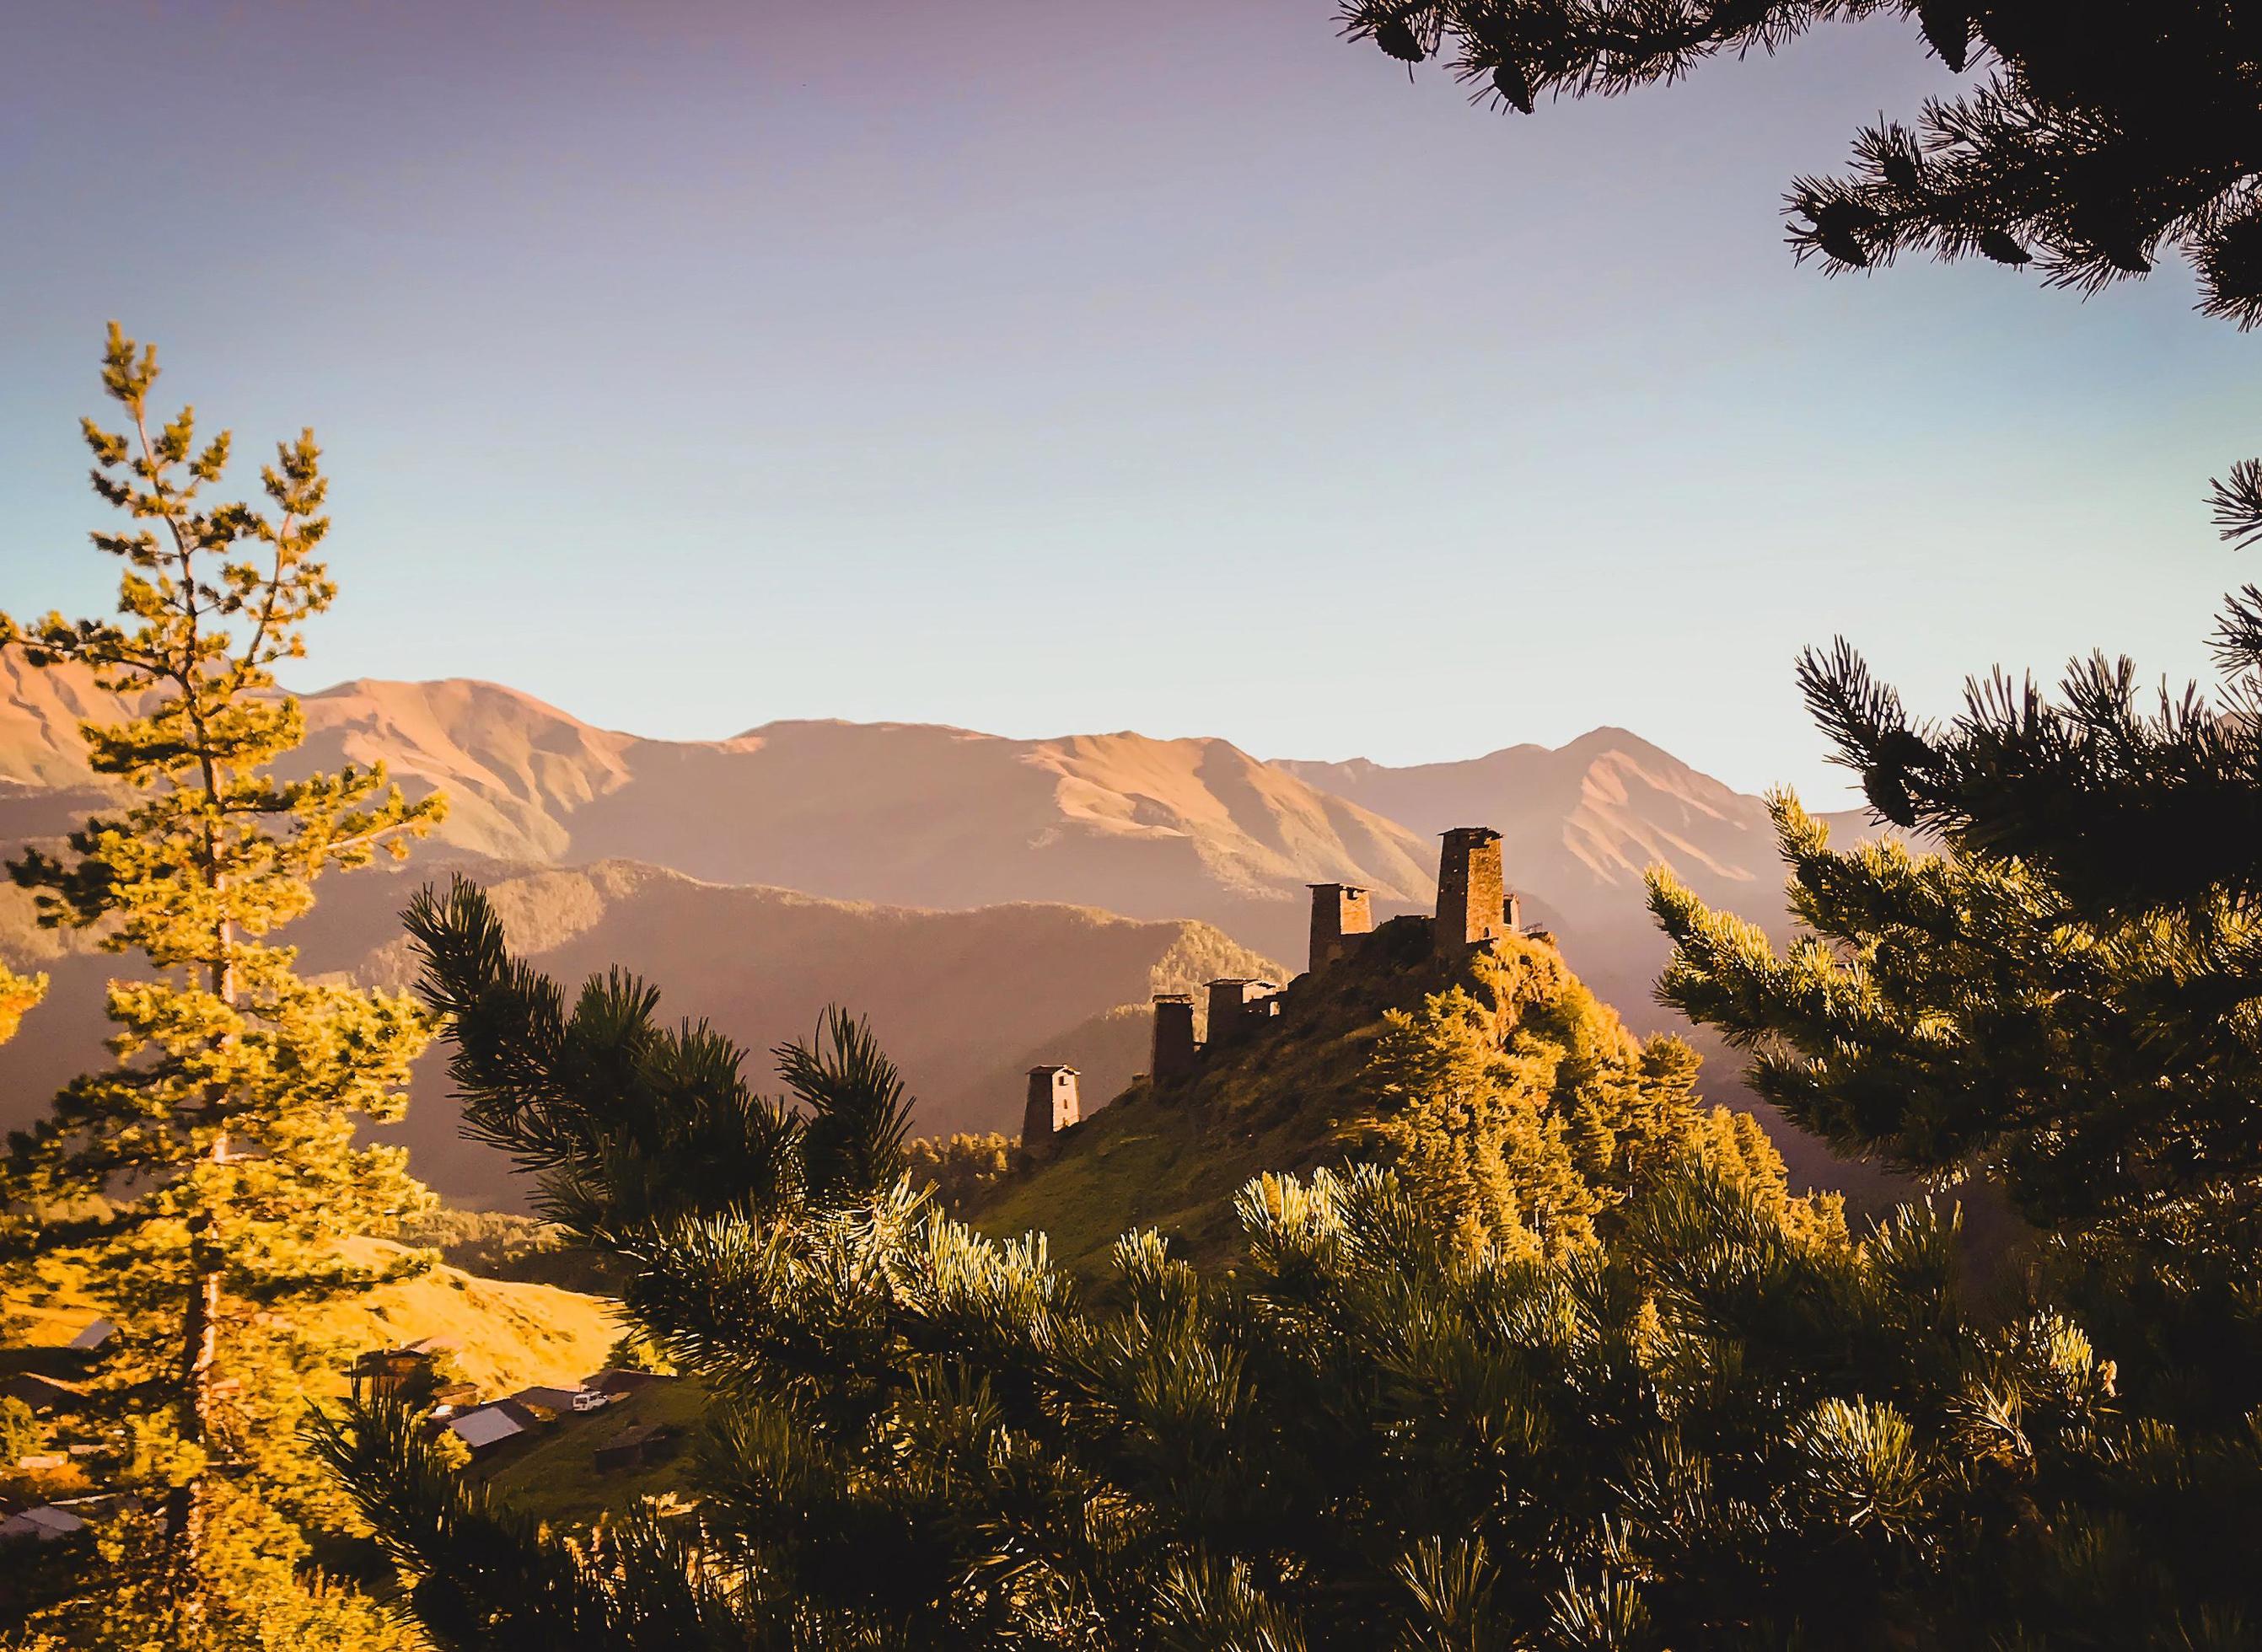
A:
[(1173, 1055), (1053, 1104), (1234, 1007), (1338, 910), (1471, 899)]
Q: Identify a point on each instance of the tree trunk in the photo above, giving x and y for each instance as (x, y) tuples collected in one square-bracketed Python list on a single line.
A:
[(189, 1504), (186, 1507)]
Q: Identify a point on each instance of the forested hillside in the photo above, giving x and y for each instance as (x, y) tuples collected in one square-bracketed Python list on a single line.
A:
[(1334, 1078)]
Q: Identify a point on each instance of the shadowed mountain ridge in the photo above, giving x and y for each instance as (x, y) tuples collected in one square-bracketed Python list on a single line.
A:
[(965, 1000)]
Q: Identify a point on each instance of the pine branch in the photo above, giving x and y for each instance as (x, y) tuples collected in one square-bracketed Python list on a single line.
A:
[(487, 1575), (624, 1123), (2238, 504), (860, 1112)]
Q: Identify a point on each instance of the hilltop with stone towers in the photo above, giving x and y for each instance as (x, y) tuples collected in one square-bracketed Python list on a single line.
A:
[(1475, 908), (1253, 1075)]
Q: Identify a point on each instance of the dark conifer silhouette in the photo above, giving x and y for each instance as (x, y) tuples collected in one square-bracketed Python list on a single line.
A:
[(2101, 138), (2062, 1000)]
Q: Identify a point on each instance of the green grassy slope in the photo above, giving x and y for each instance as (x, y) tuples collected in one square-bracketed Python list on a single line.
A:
[(503, 1335), (554, 1474)]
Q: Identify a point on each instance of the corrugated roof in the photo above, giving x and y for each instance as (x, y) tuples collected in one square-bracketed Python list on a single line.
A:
[(485, 1426)]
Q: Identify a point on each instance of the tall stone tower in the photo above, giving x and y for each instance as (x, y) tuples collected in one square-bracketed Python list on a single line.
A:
[(1235, 1006), (1338, 910), (1471, 899), (1053, 1105), (1173, 1055)]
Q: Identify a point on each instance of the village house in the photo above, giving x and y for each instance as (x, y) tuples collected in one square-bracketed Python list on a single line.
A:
[(384, 1372), (560, 1402), (633, 1447), (483, 1427), (45, 1523)]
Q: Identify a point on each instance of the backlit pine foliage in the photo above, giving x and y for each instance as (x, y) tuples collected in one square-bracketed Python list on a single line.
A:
[(2062, 996), (1521, 1105), (199, 1190), (1718, 1425)]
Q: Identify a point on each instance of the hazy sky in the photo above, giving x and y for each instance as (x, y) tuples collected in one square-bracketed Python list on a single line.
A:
[(1047, 366)]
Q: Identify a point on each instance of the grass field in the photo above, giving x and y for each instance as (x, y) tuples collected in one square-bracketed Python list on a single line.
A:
[(1142, 1163), (504, 1334), (554, 1474)]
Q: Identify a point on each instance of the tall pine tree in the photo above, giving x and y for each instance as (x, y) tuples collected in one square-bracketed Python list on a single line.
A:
[(2063, 997), (199, 1188)]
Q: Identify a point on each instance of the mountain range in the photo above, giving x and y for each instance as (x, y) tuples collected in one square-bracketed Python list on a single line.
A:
[(991, 902)]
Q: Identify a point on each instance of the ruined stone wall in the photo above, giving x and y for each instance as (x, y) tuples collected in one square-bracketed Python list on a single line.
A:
[(1236, 1008)]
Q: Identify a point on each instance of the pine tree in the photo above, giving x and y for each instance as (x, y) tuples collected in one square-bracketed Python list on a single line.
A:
[(1521, 1105), (962, 1166), (19, 994), (1472, 1134), (2060, 999), (205, 1181), (2105, 134)]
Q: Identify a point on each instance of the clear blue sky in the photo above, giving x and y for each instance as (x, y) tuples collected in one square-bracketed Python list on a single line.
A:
[(1047, 367)]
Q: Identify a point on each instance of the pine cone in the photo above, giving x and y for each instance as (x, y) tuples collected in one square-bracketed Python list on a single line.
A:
[(1510, 81), (1837, 230), (1399, 39), (1947, 24), (2004, 250)]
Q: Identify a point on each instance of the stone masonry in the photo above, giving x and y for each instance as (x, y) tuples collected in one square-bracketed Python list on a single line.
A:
[(1236, 1007), (1474, 908), (1174, 1050), (1472, 897), (1340, 914), (1053, 1104)]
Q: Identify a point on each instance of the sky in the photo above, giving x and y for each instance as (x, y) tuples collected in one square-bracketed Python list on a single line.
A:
[(1044, 366)]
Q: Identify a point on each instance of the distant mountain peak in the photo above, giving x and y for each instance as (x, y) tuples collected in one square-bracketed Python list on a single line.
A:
[(932, 814)]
